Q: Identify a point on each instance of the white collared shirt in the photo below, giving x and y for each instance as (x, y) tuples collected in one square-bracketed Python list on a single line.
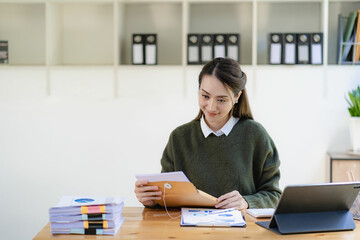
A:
[(226, 129)]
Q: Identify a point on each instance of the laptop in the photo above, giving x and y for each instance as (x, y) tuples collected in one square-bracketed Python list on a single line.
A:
[(314, 208)]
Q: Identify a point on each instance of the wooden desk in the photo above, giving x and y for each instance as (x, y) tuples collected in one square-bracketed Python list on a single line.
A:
[(141, 223)]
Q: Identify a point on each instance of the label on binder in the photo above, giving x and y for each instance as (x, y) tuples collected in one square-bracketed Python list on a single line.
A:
[(150, 53), (193, 54), (275, 53), (316, 54), (233, 52), (138, 54), (303, 54), (219, 51)]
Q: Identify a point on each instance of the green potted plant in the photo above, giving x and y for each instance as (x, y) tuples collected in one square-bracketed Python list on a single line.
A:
[(354, 110)]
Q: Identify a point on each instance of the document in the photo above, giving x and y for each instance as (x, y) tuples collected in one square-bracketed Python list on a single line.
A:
[(72, 205), (210, 217), (86, 215), (168, 176)]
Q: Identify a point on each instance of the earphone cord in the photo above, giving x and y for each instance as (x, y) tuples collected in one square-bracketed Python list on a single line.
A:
[(167, 209)]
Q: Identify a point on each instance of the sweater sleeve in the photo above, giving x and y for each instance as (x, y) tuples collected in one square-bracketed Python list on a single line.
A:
[(266, 176), (167, 160)]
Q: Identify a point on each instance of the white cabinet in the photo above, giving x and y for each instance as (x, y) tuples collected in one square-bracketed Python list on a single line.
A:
[(97, 33)]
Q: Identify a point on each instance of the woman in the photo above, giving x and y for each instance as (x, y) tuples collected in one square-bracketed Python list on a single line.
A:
[(223, 151)]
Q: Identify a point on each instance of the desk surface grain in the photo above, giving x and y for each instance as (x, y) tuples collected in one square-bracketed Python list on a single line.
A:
[(142, 223)]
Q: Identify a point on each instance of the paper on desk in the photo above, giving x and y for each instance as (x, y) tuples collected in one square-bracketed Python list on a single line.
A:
[(208, 217), (71, 201), (168, 176)]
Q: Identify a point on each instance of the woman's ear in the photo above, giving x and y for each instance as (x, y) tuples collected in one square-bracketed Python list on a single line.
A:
[(238, 96)]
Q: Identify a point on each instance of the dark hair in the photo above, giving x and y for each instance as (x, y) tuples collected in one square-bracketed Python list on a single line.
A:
[(228, 71)]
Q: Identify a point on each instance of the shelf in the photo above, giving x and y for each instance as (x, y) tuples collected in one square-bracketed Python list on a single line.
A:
[(164, 19), (23, 26), (80, 33), (224, 17), (295, 17), (67, 37), (335, 8)]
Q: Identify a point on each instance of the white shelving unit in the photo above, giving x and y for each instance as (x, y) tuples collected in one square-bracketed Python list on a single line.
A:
[(97, 33)]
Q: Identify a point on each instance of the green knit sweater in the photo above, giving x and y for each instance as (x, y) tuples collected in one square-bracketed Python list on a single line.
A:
[(246, 160)]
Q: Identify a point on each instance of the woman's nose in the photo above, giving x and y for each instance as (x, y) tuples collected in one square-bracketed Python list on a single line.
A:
[(212, 105)]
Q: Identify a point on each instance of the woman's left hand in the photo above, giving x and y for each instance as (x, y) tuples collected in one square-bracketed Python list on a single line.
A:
[(232, 200)]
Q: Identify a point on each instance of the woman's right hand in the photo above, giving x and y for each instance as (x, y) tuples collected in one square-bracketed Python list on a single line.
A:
[(146, 194)]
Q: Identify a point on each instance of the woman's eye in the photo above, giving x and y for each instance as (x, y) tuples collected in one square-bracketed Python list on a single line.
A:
[(221, 100), (205, 96)]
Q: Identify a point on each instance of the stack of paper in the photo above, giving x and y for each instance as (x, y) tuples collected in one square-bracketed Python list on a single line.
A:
[(87, 215)]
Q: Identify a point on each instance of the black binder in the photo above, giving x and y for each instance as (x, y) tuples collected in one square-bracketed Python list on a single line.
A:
[(193, 49), (206, 43), (4, 52), (219, 45), (314, 208), (138, 55), (303, 48), (150, 49), (316, 48), (276, 48), (232, 46), (289, 52)]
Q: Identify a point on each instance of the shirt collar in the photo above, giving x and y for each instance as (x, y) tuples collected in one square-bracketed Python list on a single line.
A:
[(226, 129)]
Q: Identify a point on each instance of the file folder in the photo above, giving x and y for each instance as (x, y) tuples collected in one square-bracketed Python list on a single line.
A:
[(276, 43), (232, 46), (194, 49), (219, 46), (207, 42), (289, 48), (314, 208), (138, 42), (179, 194), (303, 48), (316, 49), (151, 49)]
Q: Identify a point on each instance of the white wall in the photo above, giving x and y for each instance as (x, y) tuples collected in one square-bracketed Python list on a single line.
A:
[(82, 141)]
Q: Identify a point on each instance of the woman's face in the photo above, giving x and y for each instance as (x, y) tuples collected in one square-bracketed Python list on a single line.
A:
[(215, 101)]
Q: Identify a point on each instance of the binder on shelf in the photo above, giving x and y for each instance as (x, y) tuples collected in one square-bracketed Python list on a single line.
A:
[(193, 49), (219, 46), (346, 51), (4, 52), (289, 48), (276, 44), (303, 48), (357, 39), (339, 39), (151, 49), (327, 208), (349, 28), (138, 42), (233, 46), (206, 43), (316, 48)]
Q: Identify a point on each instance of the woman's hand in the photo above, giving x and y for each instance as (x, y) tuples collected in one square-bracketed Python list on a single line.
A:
[(232, 200), (146, 194)]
